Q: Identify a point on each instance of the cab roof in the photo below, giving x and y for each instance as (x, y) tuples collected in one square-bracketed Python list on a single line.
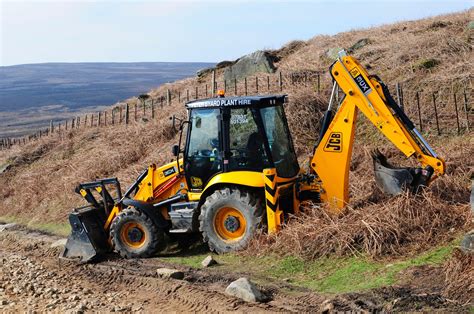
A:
[(241, 101)]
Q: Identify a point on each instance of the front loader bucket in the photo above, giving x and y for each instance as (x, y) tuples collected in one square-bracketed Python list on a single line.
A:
[(390, 179), (88, 239)]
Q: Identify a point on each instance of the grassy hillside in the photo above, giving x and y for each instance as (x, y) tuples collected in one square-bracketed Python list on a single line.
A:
[(38, 187)]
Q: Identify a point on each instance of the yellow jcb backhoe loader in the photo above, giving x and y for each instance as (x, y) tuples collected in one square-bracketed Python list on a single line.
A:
[(237, 170)]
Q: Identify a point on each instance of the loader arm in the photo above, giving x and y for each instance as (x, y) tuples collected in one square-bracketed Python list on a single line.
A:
[(331, 159)]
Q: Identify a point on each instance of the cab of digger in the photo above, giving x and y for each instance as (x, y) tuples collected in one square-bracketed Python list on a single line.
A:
[(237, 134)]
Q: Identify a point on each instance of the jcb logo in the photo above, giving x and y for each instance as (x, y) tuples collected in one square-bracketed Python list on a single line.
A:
[(334, 143)]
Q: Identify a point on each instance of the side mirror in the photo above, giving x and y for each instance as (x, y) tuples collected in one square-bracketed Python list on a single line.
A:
[(175, 150)]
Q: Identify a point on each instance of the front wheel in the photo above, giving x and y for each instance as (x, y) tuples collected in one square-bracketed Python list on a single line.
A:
[(134, 235), (229, 219)]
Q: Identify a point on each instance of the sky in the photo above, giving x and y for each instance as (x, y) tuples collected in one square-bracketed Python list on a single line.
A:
[(184, 31)]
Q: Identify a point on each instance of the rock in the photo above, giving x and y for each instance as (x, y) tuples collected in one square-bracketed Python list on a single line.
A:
[(203, 72), (259, 61), (170, 273), (332, 53), (208, 261), (7, 226), (244, 289), (4, 167), (225, 64), (467, 243), (327, 306), (74, 297), (61, 243), (359, 44)]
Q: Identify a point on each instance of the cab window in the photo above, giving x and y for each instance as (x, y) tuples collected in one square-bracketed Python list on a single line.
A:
[(246, 143), (202, 159)]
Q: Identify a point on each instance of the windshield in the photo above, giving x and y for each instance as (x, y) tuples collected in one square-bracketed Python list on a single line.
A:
[(279, 139)]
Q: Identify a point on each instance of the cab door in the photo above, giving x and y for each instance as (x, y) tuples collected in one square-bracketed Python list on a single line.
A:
[(202, 158)]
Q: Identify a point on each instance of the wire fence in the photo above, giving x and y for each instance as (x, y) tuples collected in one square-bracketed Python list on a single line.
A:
[(448, 112)]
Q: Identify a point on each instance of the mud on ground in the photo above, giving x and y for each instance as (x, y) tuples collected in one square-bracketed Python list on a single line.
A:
[(32, 278)]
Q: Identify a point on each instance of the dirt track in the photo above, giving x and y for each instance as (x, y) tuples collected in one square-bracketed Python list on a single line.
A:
[(32, 278)]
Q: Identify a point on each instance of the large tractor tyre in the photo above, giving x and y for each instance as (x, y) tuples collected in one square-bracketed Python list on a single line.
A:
[(229, 219), (134, 235)]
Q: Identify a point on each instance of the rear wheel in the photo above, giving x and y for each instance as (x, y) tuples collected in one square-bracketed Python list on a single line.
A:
[(229, 219), (134, 235)]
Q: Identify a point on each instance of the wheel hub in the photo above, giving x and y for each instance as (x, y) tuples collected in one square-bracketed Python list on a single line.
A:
[(135, 234), (232, 223)]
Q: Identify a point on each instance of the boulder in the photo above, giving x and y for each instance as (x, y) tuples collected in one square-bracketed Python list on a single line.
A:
[(7, 226), (225, 64), (208, 261), (332, 53), (203, 72), (5, 167), (244, 289), (467, 243), (170, 273), (257, 62), (359, 44)]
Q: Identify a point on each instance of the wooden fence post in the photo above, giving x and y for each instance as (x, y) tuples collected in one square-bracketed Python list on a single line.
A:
[(168, 97), (245, 86), (98, 118), (225, 86), (113, 116), (268, 83), (466, 111), (196, 93), (179, 96), (206, 90), (213, 83), (66, 125), (419, 111), (280, 81), (457, 114), (436, 114), (235, 87), (152, 108), (144, 110), (127, 113), (319, 84), (187, 95), (51, 127), (72, 123), (105, 118), (135, 112), (256, 84), (120, 115)]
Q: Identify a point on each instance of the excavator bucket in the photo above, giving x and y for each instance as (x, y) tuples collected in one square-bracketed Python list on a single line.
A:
[(87, 240), (394, 180), (391, 180)]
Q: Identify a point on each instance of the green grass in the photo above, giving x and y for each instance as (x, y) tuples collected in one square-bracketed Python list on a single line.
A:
[(325, 275), (60, 229)]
